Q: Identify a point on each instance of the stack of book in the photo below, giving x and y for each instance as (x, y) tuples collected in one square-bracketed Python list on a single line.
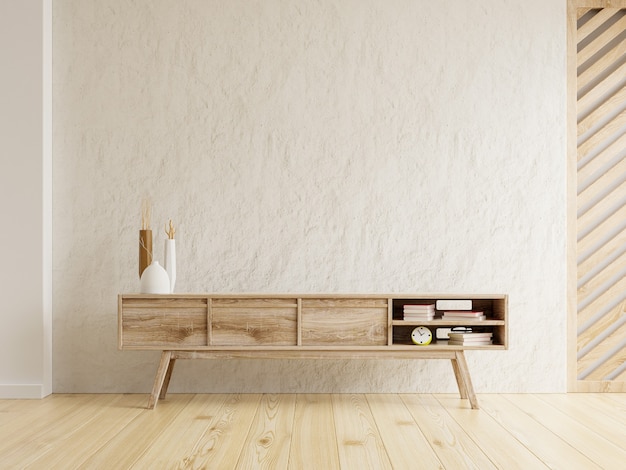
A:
[(470, 339), (419, 312), (463, 315)]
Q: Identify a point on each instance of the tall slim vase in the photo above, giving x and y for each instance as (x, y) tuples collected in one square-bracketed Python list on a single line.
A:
[(170, 261)]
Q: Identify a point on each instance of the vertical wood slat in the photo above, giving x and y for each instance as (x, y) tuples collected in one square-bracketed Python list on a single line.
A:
[(299, 322), (597, 120), (209, 317), (389, 320)]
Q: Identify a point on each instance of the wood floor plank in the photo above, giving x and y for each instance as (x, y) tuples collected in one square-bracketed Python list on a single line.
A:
[(597, 415), (221, 445), (41, 442), (505, 451), (454, 448), (314, 440), (402, 437), (171, 448), (96, 427), (35, 420), (127, 447), (358, 439), (561, 431), (545, 444), (268, 443), (596, 447), (619, 399)]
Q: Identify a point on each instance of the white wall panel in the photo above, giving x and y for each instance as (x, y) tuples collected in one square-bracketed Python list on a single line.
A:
[(329, 146)]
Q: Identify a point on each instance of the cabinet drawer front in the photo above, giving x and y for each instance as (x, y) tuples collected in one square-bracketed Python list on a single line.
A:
[(244, 326), (344, 326), (163, 327)]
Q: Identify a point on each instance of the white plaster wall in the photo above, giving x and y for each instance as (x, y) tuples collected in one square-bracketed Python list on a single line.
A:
[(25, 207), (330, 146)]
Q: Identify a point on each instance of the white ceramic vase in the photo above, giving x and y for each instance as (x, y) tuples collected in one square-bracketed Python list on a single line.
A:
[(170, 261), (155, 280)]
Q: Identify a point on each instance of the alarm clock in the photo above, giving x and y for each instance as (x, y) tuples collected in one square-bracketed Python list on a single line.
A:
[(421, 336)]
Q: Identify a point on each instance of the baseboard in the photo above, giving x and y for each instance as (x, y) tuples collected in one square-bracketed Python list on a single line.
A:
[(34, 391), (600, 386)]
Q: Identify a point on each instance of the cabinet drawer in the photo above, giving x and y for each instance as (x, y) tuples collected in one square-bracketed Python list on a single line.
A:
[(253, 326), (163, 324), (344, 323)]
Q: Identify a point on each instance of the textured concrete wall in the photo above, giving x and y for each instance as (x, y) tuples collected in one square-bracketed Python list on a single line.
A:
[(331, 146)]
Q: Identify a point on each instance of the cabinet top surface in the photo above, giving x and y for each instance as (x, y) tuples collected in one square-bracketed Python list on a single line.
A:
[(330, 295)]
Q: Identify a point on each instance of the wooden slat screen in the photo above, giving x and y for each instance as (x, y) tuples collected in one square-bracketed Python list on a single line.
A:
[(600, 131)]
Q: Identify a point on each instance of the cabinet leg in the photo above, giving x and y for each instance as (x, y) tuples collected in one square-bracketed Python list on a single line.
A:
[(459, 379), (162, 372), (464, 381), (166, 381)]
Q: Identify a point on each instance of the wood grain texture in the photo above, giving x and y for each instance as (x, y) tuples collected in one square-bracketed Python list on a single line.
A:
[(314, 439), (346, 326), (546, 445), (586, 408), (406, 445), (285, 327), (64, 420), (577, 434), (221, 444), (171, 448), (314, 431), (249, 326), (453, 446), (251, 302), (141, 432), (342, 303), (597, 94), (268, 443), (164, 327), (464, 379), (358, 440), (68, 446), (216, 321), (163, 373), (481, 428)]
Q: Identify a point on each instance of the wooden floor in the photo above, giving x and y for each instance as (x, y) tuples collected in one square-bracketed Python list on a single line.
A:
[(573, 431)]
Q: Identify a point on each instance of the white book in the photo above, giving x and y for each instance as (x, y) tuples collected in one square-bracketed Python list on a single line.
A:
[(419, 308), (471, 336), (454, 342), (454, 304), (460, 318), (465, 313), (419, 317)]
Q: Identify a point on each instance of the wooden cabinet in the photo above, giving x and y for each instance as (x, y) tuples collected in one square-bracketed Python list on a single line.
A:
[(359, 326)]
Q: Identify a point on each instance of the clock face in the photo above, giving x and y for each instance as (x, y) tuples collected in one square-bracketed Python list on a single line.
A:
[(421, 335)]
